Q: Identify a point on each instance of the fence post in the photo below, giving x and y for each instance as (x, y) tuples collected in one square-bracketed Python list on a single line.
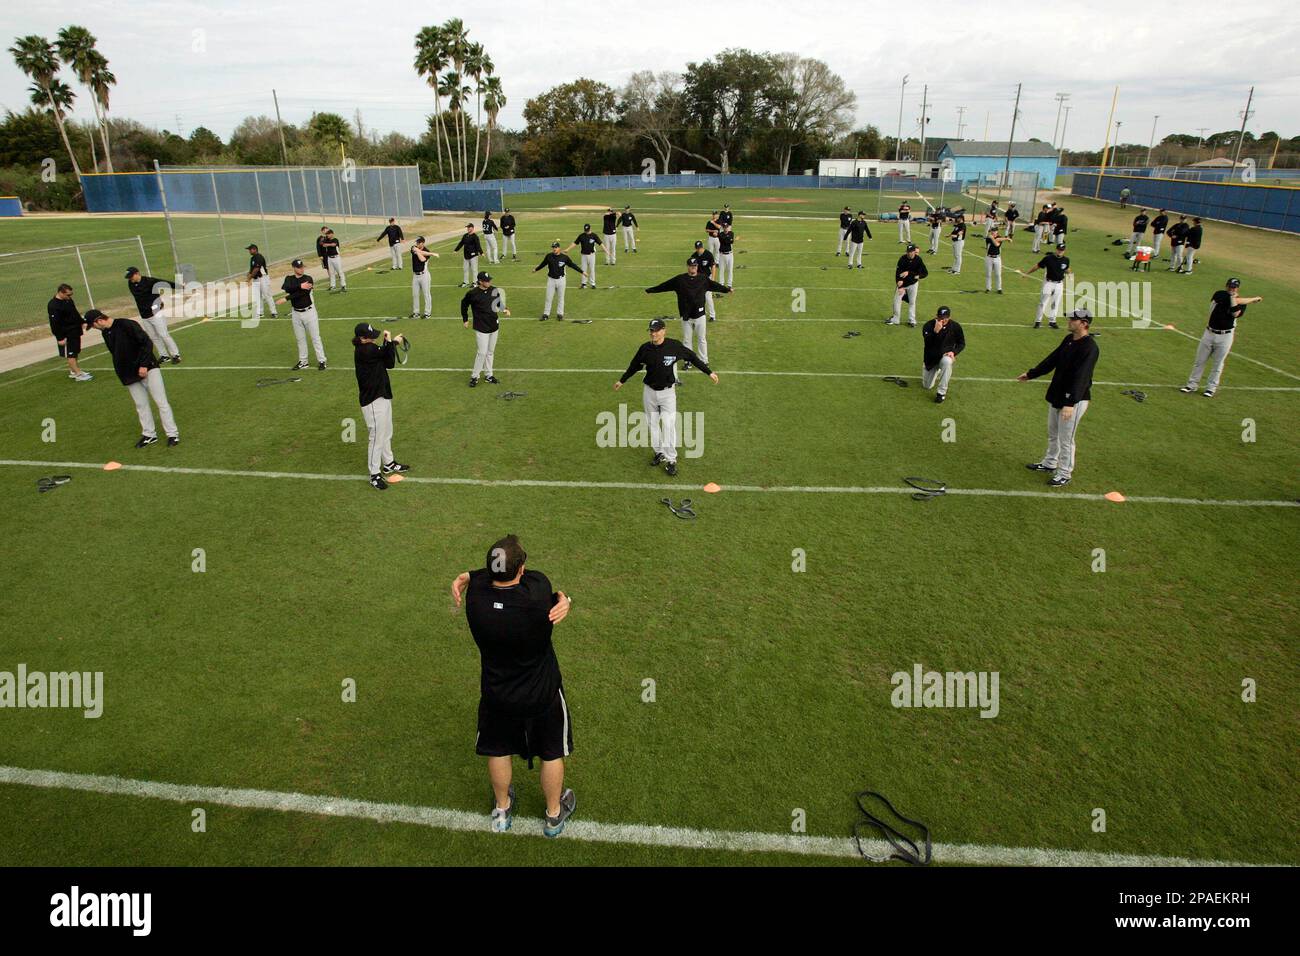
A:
[(167, 216), (84, 281), (221, 225), (257, 185), (293, 208)]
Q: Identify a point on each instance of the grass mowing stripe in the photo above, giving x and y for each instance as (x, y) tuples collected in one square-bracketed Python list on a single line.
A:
[(647, 486), (584, 830)]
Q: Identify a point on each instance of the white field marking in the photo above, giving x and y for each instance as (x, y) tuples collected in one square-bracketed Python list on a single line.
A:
[(620, 371), (64, 364), (652, 486), (586, 831)]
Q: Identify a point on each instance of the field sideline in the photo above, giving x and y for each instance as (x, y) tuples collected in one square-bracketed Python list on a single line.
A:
[(1119, 690)]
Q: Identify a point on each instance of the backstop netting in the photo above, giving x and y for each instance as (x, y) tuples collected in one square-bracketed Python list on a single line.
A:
[(95, 270), (1024, 193)]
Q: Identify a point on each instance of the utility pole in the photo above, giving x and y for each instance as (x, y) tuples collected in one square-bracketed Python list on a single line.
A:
[(1245, 115), (925, 91), (1152, 144), (1015, 113), (1105, 150), (284, 150), (1113, 160), (1060, 150), (1200, 140), (1060, 101), (898, 142), (987, 114), (961, 112)]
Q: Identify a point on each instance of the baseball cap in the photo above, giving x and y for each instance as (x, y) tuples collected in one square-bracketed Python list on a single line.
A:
[(483, 277), (657, 325), (1234, 283), (692, 261), (911, 247), (555, 245), (698, 244), (364, 330), (586, 226), (297, 263), (419, 238), (131, 271), (90, 317), (944, 312), (251, 245), (1083, 315)]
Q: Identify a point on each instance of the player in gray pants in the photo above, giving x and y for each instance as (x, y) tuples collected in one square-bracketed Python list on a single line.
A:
[(1216, 340), (555, 262), (332, 259), (297, 288), (137, 369)]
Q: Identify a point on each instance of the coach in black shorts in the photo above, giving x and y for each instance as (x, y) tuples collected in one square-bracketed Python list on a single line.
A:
[(521, 709)]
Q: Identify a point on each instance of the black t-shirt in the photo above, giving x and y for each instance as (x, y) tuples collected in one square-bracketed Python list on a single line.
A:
[(418, 265), (1013, 215), (373, 362), (690, 292), (65, 320), (483, 302), (1158, 224), (958, 232), (1224, 315), (1055, 266), (627, 219), (587, 242), (1194, 237), (520, 674), (131, 349), (711, 227), (469, 242), (1176, 233), (914, 268), (489, 226), (299, 297), (992, 249), (658, 362), (859, 230), (904, 212), (845, 219), (1060, 224), (608, 222), (706, 260), (725, 240), (937, 344), (725, 218), (330, 247)]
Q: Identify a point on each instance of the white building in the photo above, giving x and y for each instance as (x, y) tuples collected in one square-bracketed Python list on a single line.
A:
[(878, 167)]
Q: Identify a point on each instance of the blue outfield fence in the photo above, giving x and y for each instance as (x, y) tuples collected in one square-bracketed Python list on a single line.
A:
[(11, 206), (698, 181), (438, 199), (1267, 207)]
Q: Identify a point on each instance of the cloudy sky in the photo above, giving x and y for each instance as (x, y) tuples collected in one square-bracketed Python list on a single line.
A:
[(182, 64)]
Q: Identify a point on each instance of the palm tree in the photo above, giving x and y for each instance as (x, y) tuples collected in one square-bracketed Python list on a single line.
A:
[(35, 57), (76, 48), (430, 58), (331, 128), (450, 87), (457, 46), (493, 101), (62, 98), (101, 78), (477, 63)]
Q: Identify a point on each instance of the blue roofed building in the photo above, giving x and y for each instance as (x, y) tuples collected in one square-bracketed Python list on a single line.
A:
[(978, 159)]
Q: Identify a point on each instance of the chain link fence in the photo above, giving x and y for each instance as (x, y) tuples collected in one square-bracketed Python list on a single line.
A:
[(28, 279)]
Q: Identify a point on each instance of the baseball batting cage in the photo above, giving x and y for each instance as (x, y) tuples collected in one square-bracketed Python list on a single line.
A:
[(28, 279), (214, 212)]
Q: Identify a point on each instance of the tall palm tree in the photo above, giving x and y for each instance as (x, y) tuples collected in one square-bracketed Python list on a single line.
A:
[(477, 63), (60, 95), (430, 58), (450, 87), (493, 101), (457, 45), (76, 48), (101, 78), (35, 57)]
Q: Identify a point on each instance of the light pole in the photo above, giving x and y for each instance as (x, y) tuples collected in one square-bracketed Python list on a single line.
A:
[(1060, 150), (1060, 102), (898, 143), (1152, 145)]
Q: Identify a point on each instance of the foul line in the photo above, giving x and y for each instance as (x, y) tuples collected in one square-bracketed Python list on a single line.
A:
[(587, 831), (780, 374), (656, 486)]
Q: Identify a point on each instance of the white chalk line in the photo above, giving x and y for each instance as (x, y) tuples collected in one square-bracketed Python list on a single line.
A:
[(652, 486), (620, 371), (587, 831)]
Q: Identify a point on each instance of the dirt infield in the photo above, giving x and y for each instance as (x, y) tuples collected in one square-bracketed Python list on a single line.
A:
[(777, 199)]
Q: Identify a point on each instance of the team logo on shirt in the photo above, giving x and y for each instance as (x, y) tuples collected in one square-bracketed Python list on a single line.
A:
[(670, 359)]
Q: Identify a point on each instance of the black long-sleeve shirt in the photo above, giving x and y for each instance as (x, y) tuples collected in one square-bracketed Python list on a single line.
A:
[(392, 233), (857, 229), (507, 225), (937, 343), (144, 291), (627, 219), (257, 265), (299, 297), (554, 263), (1071, 364), (658, 361), (608, 223), (373, 361), (1194, 237), (587, 242), (909, 271), (483, 303), (469, 242), (1159, 224), (1140, 224), (489, 226), (845, 219), (726, 239), (690, 291), (706, 259), (131, 349), (65, 320), (958, 233)]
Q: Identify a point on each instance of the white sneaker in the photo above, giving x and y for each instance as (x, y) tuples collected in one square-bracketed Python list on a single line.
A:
[(83, 377)]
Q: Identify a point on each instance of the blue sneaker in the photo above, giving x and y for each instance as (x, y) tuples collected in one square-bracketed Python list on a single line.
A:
[(554, 826), (501, 819)]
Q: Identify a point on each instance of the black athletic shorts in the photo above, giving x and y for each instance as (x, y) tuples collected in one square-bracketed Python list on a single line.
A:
[(548, 735), (71, 347)]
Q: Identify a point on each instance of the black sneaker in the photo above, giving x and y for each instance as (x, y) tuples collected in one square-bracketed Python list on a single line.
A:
[(686, 365), (543, 318), (414, 315), (657, 460), (320, 366), (671, 468), (1058, 482), (395, 466), (1038, 466), (1052, 325), (1038, 325), (1187, 389), (300, 365), (164, 359), (999, 291), (344, 289), (377, 482), (491, 380), (473, 383), (939, 399), (559, 318), (145, 441), (1208, 393), (176, 360), (173, 441)]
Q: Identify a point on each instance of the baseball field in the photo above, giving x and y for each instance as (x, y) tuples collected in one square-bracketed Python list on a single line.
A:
[(279, 649)]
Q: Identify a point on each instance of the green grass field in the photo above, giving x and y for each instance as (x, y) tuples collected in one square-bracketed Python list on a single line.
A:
[(1119, 690)]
